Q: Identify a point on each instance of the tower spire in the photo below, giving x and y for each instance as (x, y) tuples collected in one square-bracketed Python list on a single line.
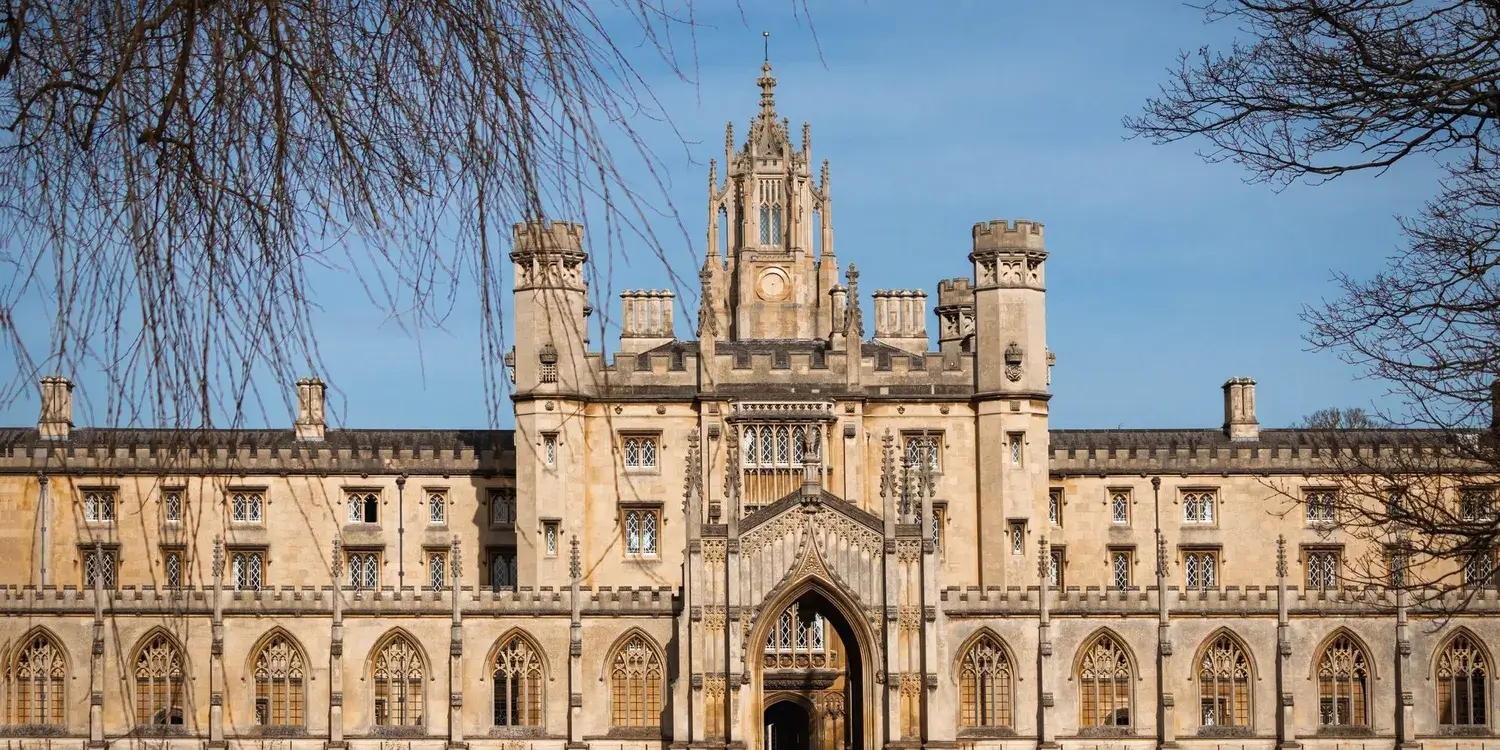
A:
[(767, 82)]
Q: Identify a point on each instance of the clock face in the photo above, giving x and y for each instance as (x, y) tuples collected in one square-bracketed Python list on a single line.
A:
[(772, 285)]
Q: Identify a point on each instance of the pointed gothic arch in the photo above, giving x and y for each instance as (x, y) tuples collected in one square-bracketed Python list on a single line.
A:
[(159, 669), (518, 676), (636, 672), (1345, 674), (1106, 671), (398, 670), (1461, 671), (849, 622), (278, 664), (986, 673), (36, 678), (1225, 671)]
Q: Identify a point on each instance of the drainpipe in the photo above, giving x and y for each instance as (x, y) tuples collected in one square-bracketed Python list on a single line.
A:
[(400, 532), (42, 510)]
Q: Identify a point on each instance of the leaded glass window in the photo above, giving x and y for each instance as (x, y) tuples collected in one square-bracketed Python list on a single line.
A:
[(1343, 684), (246, 568), (1198, 507), (985, 680), (1055, 563), (1479, 569), (1322, 568), (159, 680), (1224, 684), (1120, 568), (398, 675), (279, 689), (99, 568), (1320, 506), (172, 565), (1200, 570), (1119, 507), (503, 569), (1104, 695), (641, 531), (1054, 507), (246, 507), (924, 448), (437, 507), (36, 683), (636, 679), (437, 570), (517, 680), (1463, 683), (364, 570), (364, 507), (99, 506), (171, 502), (503, 507), (640, 451)]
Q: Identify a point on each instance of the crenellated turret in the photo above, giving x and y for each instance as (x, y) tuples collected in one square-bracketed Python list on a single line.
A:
[(551, 311)]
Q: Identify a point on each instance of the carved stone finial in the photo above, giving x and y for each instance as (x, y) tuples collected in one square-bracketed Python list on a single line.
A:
[(806, 138), (692, 482), (218, 561), (854, 322), (338, 558), (1281, 556), (575, 562), (732, 466), (1161, 556), (455, 555), (728, 143), (708, 322), (1043, 560), (888, 465)]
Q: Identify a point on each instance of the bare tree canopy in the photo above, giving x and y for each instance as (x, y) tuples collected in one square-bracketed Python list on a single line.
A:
[(171, 170), (1334, 418), (1312, 90)]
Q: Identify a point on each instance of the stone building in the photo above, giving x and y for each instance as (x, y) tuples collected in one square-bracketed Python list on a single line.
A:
[(799, 529)]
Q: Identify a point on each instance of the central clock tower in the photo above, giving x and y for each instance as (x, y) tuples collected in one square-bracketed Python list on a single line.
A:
[(774, 225)]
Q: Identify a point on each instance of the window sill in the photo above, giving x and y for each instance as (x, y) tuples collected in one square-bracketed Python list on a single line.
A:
[(1220, 731), (414, 732), (1106, 732), (518, 732), (980, 733), (276, 731), (1345, 731), (1464, 730)]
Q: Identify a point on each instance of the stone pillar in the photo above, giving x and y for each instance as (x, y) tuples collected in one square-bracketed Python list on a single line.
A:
[(56, 420), (1286, 720), (891, 668), (336, 654), (1046, 729), (312, 423), (96, 661), (575, 649), (1166, 714), (1406, 725), (216, 655), (456, 653)]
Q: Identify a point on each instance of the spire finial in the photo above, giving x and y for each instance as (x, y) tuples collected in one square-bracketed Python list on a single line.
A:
[(767, 82), (766, 44)]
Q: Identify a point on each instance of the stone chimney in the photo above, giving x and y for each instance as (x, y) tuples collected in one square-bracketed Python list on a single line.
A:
[(645, 319), (1239, 409), (56, 421), (901, 319), (311, 423)]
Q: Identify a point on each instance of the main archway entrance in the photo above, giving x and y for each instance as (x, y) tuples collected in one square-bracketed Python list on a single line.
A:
[(811, 679)]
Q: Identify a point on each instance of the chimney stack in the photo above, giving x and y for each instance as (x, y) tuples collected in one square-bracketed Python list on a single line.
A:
[(56, 421), (311, 424), (1239, 409)]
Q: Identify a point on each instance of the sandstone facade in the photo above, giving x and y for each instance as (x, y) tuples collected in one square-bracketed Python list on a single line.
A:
[(795, 530)]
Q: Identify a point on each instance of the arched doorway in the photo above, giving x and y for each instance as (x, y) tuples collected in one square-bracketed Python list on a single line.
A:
[(788, 727), (811, 675)]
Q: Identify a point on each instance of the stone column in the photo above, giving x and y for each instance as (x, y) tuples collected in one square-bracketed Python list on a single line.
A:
[(1046, 729), (216, 655), (1166, 714), (96, 658), (336, 654), (575, 649), (1286, 720), (456, 653), (1406, 725)]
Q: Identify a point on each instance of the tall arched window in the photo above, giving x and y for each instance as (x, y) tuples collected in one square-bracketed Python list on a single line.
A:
[(279, 694), (1104, 684), (1462, 673), (398, 671), (1343, 684), (1224, 684), (984, 684), (635, 682), (34, 682), (518, 683), (159, 678)]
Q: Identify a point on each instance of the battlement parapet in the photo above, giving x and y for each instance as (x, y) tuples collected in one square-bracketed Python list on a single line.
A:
[(955, 292), (1232, 601), (547, 237), (1000, 234)]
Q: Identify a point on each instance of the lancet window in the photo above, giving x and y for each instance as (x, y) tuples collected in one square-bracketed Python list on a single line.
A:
[(1224, 684), (1343, 684), (279, 689), (398, 671), (1462, 680), (34, 683), (635, 682), (518, 681), (1104, 695), (159, 680), (985, 679)]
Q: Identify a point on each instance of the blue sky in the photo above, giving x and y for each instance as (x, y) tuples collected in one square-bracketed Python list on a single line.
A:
[(1167, 275)]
